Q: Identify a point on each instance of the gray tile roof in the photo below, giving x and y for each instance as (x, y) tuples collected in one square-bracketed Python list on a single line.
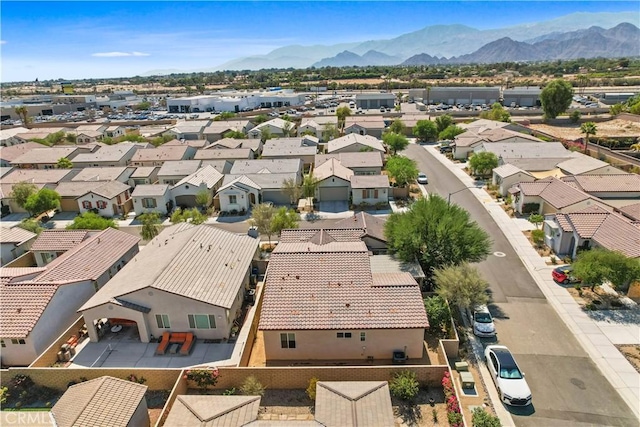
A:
[(243, 167), (196, 143), (352, 138), (526, 150), (552, 190), (369, 181), (265, 181), (153, 190), (110, 189), (207, 175), (580, 163), (162, 153), (179, 167), (304, 290), (373, 226), (241, 181), (508, 170), (77, 188), (210, 411), (103, 173), (391, 264), (102, 402), (222, 166), (200, 262), (353, 404), (272, 149), (226, 143)]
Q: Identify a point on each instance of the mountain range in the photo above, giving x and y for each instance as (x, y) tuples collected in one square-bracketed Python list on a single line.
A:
[(566, 36)]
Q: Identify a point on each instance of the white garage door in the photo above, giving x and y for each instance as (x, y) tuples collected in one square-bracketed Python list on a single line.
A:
[(331, 194)]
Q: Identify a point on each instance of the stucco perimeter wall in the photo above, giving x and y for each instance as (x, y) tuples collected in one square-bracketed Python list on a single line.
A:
[(289, 377), (50, 355), (59, 378)]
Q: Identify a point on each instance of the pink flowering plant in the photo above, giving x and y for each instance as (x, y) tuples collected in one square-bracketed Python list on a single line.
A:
[(454, 415), (203, 377)]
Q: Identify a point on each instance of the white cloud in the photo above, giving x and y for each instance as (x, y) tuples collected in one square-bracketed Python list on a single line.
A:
[(3, 42), (118, 54)]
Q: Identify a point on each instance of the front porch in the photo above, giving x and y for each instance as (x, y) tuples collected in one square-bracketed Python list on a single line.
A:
[(124, 350)]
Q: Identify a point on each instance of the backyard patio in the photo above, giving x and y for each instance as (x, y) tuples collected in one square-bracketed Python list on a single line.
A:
[(124, 349)]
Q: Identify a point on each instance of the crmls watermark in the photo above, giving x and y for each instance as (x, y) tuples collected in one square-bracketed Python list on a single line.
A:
[(26, 418)]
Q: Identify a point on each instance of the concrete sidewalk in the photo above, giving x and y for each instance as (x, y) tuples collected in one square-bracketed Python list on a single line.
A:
[(597, 333)]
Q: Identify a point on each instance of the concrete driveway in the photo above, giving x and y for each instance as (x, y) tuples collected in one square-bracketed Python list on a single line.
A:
[(568, 388), (333, 207)]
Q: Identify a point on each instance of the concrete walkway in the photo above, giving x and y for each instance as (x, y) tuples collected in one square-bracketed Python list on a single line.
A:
[(597, 332)]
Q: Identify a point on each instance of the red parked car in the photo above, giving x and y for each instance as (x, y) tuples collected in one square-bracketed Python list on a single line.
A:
[(564, 275)]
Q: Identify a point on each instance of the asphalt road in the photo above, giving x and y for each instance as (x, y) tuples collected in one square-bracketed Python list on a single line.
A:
[(567, 387)]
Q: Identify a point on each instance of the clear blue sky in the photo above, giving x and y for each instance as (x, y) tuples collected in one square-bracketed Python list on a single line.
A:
[(72, 40)]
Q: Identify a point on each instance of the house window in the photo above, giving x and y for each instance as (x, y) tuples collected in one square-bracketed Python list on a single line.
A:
[(233, 199), (86, 204), (18, 341), (369, 194), (343, 335), (363, 336), (202, 321), (149, 203), (163, 321), (101, 204), (287, 340), (2, 344)]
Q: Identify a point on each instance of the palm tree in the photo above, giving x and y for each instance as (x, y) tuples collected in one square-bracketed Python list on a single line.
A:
[(588, 128)]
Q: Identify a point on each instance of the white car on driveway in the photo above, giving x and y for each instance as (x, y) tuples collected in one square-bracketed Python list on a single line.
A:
[(507, 376), (422, 178), (483, 323)]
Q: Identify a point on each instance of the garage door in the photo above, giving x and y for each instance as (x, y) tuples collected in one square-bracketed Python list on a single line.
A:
[(187, 201), (329, 194), (275, 197)]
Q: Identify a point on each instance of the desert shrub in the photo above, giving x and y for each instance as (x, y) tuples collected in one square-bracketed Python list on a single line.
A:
[(311, 390), (204, 378), (404, 385), (252, 387), (482, 418), (538, 237)]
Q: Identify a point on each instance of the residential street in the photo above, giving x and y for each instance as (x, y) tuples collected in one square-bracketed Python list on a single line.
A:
[(568, 389)]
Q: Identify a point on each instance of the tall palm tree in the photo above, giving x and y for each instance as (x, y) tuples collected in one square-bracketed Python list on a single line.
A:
[(588, 128)]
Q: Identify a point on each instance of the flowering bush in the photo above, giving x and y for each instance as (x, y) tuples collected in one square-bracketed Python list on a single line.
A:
[(134, 379), (204, 377), (454, 415)]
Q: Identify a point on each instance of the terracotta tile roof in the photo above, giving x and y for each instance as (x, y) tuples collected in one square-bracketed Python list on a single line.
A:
[(208, 411), (304, 290), (606, 183), (585, 223), (105, 401), (353, 404), (369, 181), (38, 176), (162, 153), (21, 306), (59, 240), (223, 154), (226, 143), (373, 226), (306, 234), (631, 211), (144, 171), (110, 189), (46, 155), (15, 272), (107, 153), (557, 193), (15, 235), (90, 259), (563, 221), (14, 151), (332, 167), (200, 262), (271, 181), (367, 159)]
